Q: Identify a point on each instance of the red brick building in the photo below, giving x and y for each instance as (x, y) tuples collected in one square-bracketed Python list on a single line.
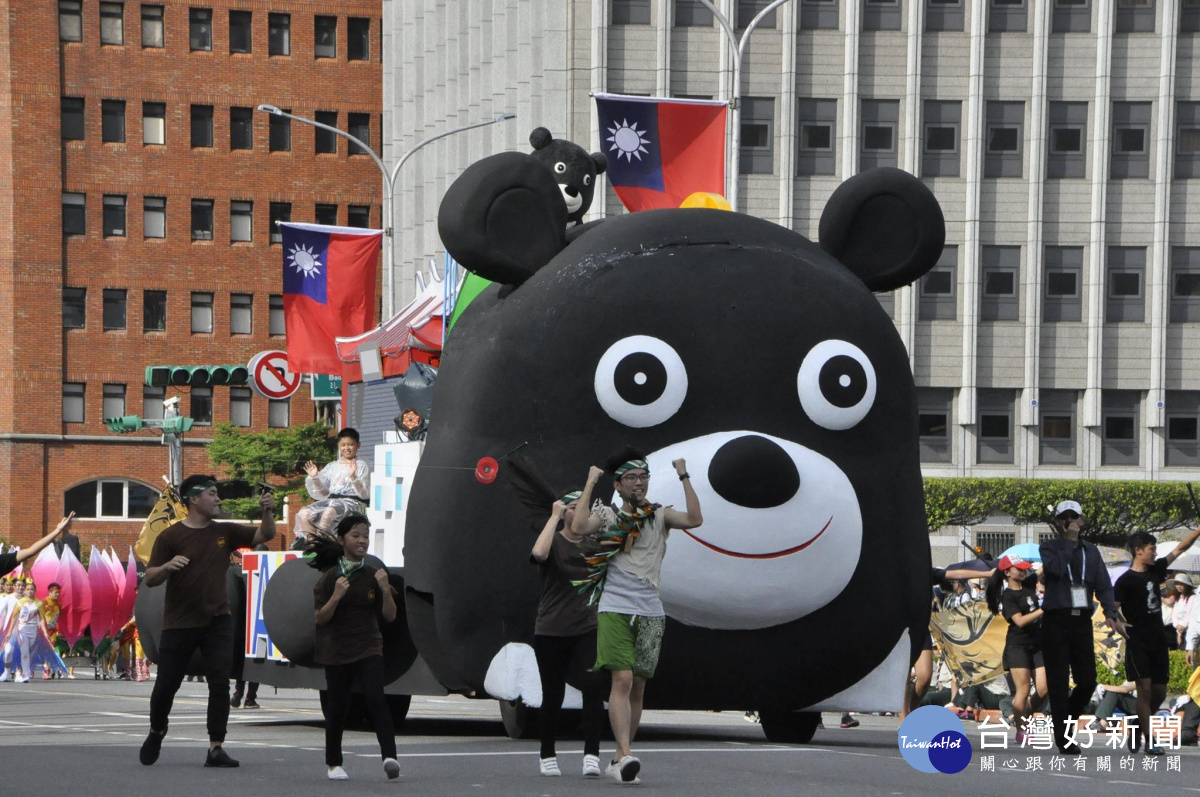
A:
[(138, 191)]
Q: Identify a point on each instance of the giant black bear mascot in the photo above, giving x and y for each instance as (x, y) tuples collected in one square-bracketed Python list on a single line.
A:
[(760, 357), (575, 171)]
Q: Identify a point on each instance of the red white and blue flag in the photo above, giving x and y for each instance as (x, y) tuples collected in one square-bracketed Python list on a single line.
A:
[(662, 150), (328, 291)]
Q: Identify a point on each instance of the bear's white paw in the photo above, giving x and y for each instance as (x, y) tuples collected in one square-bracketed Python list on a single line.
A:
[(513, 674)]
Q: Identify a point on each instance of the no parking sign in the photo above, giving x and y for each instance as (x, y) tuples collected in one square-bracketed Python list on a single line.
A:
[(270, 376)]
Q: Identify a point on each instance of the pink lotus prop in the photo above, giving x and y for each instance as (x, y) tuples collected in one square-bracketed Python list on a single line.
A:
[(76, 598), (45, 571)]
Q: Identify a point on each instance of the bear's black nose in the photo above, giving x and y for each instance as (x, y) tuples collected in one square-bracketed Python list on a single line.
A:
[(571, 190), (753, 472)]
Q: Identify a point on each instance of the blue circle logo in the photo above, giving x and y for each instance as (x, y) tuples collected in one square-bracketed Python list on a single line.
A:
[(932, 739)]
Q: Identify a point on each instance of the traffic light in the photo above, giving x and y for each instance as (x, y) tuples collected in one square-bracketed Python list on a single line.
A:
[(196, 375), (177, 425), (126, 423)]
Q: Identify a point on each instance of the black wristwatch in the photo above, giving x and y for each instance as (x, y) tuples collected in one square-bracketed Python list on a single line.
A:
[(684, 475)]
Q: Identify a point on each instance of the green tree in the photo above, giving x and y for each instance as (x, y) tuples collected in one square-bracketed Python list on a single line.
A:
[(276, 456)]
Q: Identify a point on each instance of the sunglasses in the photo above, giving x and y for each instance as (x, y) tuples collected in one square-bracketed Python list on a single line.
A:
[(633, 478)]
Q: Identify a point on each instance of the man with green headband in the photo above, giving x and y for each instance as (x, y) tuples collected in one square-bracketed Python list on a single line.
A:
[(631, 617), (192, 557)]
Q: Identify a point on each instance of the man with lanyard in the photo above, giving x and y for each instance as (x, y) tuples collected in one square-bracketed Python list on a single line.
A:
[(1073, 571), (192, 557), (631, 618)]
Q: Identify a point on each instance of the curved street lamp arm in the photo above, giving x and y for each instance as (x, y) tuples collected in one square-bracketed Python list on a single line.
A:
[(754, 24), (412, 151)]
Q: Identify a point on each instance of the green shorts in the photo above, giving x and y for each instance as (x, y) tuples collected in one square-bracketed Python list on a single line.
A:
[(628, 642)]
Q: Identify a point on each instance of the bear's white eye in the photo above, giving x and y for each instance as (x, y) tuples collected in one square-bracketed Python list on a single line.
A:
[(587, 179), (836, 384), (640, 381), (560, 168)]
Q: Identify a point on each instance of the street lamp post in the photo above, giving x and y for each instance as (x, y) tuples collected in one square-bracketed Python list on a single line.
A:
[(735, 101), (389, 186)]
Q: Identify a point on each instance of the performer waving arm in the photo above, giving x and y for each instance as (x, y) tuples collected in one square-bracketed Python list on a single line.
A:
[(692, 519)]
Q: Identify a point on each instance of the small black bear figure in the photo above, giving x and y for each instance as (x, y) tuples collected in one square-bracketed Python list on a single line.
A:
[(574, 169), (762, 358)]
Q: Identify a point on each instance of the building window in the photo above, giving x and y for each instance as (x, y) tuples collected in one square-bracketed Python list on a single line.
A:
[(358, 216), (241, 221), (74, 214), (1067, 156), (74, 308), (944, 15), (108, 498), (1187, 140), (152, 402), (201, 409), (819, 15), (358, 43), (1005, 132), (276, 321), (816, 151), (758, 135), (1183, 428), (748, 9), (239, 406), (326, 141), (995, 438), (1063, 300), (327, 214), (241, 313), (280, 133), (114, 216), (1001, 275), (1126, 276), (938, 298), (1131, 140), (154, 311), (279, 211), (1006, 15), (1185, 284), (112, 121), (154, 217), (241, 128), (114, 308), (1189, 17), (241, 38), (1056, 409), (360, 127), (933, 424), (200, 28), (941, 151), (112, 23), (278, 414), (202, 126), (1135, 16), (279, 34), (993, 542), (325, 37), (880, 120), (631, 12), (881, 15), (202, 219), (73, 402), (70, 21), (154, 123), (114, 401), (152, 26), (1072, 16), (72, 118), (202, 313), (692, 14), (1121, 409)]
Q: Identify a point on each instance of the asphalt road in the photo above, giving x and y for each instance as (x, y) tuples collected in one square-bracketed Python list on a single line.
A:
[(82, 737)]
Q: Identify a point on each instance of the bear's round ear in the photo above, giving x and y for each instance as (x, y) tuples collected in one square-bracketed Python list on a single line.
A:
[(504, 218), (884, 225), (540, 137), (601, 161)]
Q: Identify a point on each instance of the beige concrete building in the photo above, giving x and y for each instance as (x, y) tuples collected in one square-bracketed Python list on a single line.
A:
[(1057, 338)]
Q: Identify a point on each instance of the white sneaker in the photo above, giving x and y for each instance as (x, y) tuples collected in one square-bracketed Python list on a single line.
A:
[(391, 768), (624, 771), (591, 766), (6, 677), (21, 679), (337, 773), (549, 767)]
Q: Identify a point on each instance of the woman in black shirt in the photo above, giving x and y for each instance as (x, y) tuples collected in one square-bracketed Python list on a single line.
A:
[(352, 599), (1010, 594)]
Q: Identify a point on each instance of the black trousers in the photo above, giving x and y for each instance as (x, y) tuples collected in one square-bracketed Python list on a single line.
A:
[(339, 685), (175, 650), (560, 658), (251, 693), (1068, 649)]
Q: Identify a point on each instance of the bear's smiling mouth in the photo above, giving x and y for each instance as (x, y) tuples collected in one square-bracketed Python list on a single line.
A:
[(775, 555)]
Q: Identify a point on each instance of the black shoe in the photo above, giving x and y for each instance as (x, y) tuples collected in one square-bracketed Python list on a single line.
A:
[(151, 748), (1069, 749), (217, 757), (1152, 750), (251, 703), (236, 700)]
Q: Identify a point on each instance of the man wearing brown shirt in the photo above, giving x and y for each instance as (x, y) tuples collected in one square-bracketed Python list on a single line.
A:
[(192, 557)]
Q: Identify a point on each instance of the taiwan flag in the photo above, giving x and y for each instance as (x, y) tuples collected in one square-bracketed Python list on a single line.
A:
[(660, 150), (328, 291)]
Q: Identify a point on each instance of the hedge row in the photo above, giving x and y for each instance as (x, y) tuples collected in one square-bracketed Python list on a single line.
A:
[(1177, 680)]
